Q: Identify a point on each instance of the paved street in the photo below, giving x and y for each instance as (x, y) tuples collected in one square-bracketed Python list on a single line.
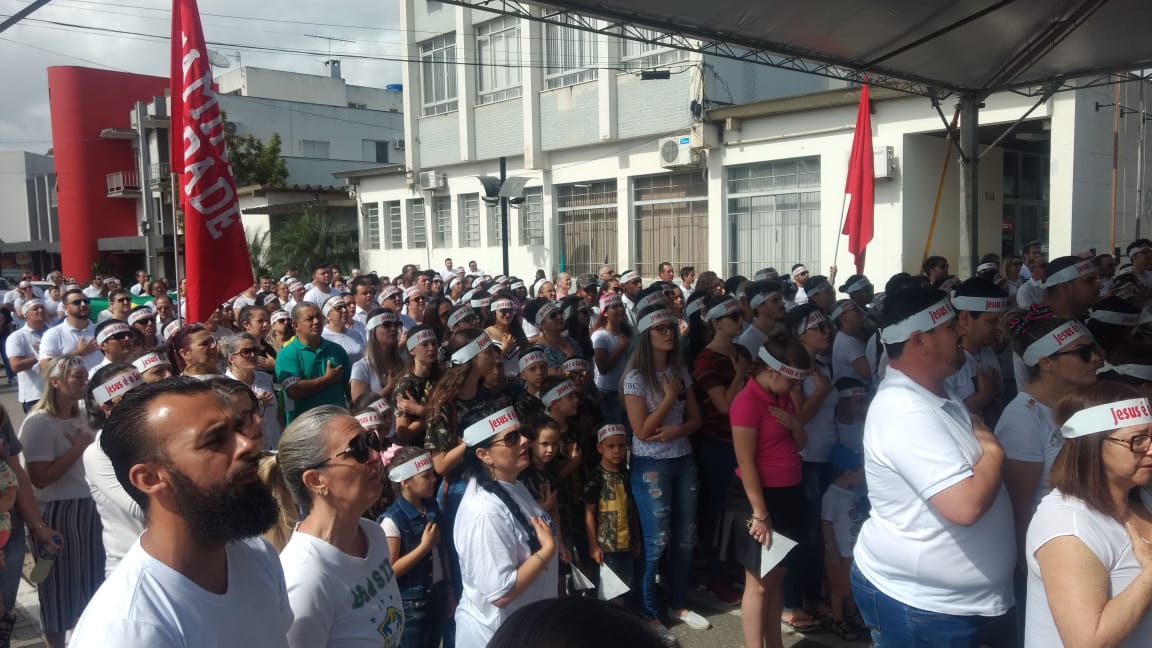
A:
[(725, 631)]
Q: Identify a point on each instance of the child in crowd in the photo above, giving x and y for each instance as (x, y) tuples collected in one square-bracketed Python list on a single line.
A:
[(533, 370), (851, 409), (609, 511), (842, 511), (412, 526), (542, 476)]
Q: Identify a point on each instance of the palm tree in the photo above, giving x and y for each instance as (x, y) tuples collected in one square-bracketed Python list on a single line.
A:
[(314, 239), (260, 252)]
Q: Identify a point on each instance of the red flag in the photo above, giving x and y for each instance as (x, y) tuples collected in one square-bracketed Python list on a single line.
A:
[(215, 249), (858, 221)]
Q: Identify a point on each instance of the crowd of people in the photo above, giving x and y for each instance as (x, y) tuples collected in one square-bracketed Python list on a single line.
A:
[(411, 460)]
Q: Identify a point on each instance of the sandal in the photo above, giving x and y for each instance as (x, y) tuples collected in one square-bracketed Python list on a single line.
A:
[(857, 622), (845, 631), (801, 622)]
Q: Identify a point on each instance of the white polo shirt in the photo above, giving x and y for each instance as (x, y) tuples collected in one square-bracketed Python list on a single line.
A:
[(916, 445), (1027, 433), (963, 382), (318, 297), (64, 337), (25, 343)]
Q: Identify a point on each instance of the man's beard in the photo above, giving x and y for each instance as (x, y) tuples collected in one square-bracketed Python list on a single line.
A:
[(224, 512)]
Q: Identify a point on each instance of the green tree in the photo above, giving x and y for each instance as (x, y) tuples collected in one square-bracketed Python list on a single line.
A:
[(260, 252), (257, 163), (312, 239)]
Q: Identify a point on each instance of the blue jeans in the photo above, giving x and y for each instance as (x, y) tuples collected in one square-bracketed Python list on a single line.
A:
[(4, 357), (449, 500), (665, 493), (13, 564), (897, 625), (424, 618)]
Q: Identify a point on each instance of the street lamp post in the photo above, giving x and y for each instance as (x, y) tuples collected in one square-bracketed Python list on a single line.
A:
[(503, 191)]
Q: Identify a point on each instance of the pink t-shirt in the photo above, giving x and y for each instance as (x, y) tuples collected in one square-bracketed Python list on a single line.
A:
[(777, 459)]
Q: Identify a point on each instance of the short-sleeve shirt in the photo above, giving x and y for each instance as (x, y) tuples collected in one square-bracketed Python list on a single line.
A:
[(25, 343), (47, 438), (777, 459), (821, 428), (916, 445), (1027, 433), (714, 369), (8, 481), (635, 385), (351, 342), (443, 431), (611, 494), (297, 361), (63, 338), (414, 387), (845, 509), (752, 339), (847, 349), (963, 382), (610, 381)]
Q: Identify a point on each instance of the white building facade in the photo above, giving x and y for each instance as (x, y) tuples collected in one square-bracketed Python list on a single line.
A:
[(29, 225)]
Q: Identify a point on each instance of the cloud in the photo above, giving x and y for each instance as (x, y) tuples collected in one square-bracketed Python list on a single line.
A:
[(32, 46)]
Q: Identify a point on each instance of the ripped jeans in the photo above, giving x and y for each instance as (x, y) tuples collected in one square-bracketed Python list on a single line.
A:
[(665, 493)]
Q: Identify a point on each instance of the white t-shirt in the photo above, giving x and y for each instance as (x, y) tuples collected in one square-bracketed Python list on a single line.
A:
[(63, 338), (917, 444), (318, 297), (492, 546), (46, 438), (821, 428), (138, 290), (25, 343), (1058, 516), (351, 344), (91, 292), (752, 339), (801, 296), (340, 600), (609, 382), (241, 301), (147, 604), (842, 507), (1030, 292), (1027, 433), (121, 516), (851, 435), (634, 385), (846, 349), (393, 531), (963, 382), (362, 371)]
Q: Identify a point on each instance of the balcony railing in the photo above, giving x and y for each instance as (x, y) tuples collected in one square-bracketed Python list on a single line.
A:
[(158, 174), (122, 182)]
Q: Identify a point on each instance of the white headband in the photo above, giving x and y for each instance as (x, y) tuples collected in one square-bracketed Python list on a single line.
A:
[(726, 307), (798, 270), (921, 322), (781, 368), (693, 307), (380, 405), (480, 302), (545, 312), (494, 424), (1141, 371), (1071, 273), (294, 286), (813, 320), (655, 318), (33, 303), (140, 315), (572, 365), (536, 286), (279, 315), (531, 358), (171, 329), (460, 315), (380, 320), (980, 304), (631, 275), (760, 298), (984, 267), (110, 330), (516, 285), (369, 420), (608, 300), (823, 286), (411, 468), (612, 429), (410, 292), (1103, 418), (150, 361), (843, 308), (502, 304), (1112, 317), (117, 386), (557, 392), (331, 303), (389, 293), (471, 350), (655, 298), (766, 273), (856, 285), (426, 335), (1053, 342)]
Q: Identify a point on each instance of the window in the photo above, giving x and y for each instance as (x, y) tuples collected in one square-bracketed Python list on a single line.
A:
[(417, 224), (671, 215), (498, 52), (470, 220), (393, 235), (316, 148), (375, 151), (773, 215), (372, 226), (638, 55), (442, 211), (532, 217), (438, 74), (569, 55), (494, 234), (587, 215)]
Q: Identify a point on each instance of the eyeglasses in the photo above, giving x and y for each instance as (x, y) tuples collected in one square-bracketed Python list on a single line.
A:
[(80, 302), (802, 274), (510, 440), (1138, 444), (120, 337), (340, 308), (1085, 352), (247, 352), (359, 448), (507, 311), (663, 329), (418, 300)]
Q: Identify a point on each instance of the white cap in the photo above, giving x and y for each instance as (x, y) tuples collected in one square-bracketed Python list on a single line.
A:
[(490, 426)]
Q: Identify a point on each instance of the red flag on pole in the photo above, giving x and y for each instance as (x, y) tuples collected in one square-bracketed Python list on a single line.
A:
[(215, 249), (858, 221)]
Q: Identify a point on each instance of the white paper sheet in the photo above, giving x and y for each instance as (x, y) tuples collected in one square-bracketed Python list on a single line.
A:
[(610, 584), (581, 581), (774, 555)]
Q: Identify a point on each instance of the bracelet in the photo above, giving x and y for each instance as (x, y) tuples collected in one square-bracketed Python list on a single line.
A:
[(753, 518), (542, 561)]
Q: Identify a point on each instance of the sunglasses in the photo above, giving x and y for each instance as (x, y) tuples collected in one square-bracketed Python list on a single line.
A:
[(1085, 352), (121, 337), (359, 448), (80, 302), (506, 311), (663, 329), (123, 300), (510, 440), (246, 352)]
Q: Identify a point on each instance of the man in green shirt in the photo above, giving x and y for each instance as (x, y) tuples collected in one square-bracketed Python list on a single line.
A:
[(313, 370)]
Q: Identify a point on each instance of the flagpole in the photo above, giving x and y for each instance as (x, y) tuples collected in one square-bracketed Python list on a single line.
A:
[(843, 216), (175, 181)]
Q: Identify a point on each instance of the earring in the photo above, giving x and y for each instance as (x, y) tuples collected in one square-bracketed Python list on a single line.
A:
[(323, 491)]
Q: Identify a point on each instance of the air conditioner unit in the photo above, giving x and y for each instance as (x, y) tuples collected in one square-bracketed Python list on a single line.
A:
[(431, 180), (883, 164), (398, 143), (677, 153)]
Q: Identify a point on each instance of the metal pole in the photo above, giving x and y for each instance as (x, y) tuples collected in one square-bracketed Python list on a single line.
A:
[(1115, 159), (176, 237), (969, 184), (150, 220), (504, 215), (1140, 164)]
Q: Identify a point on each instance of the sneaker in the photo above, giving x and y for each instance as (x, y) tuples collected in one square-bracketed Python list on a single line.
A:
[(693, 620), (724, 592), (666, 636)]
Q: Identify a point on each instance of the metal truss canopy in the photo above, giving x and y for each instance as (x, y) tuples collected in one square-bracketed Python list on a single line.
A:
[(924, 47)]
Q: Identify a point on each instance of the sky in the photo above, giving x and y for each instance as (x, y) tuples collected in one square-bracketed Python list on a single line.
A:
[(41, 41)]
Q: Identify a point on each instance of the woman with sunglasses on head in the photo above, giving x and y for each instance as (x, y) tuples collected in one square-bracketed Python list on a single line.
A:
[(661, 408), (768, 497), (241, 355), (506, 329), (382, 363), (1061, 359), (336, 565), (1089, 545), (336, 329), (506, 543), (280, 331), (192, 344), (414, 386), (719, 373)]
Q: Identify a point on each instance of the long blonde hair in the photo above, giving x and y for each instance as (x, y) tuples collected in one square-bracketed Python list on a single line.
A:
[(58, 369)]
